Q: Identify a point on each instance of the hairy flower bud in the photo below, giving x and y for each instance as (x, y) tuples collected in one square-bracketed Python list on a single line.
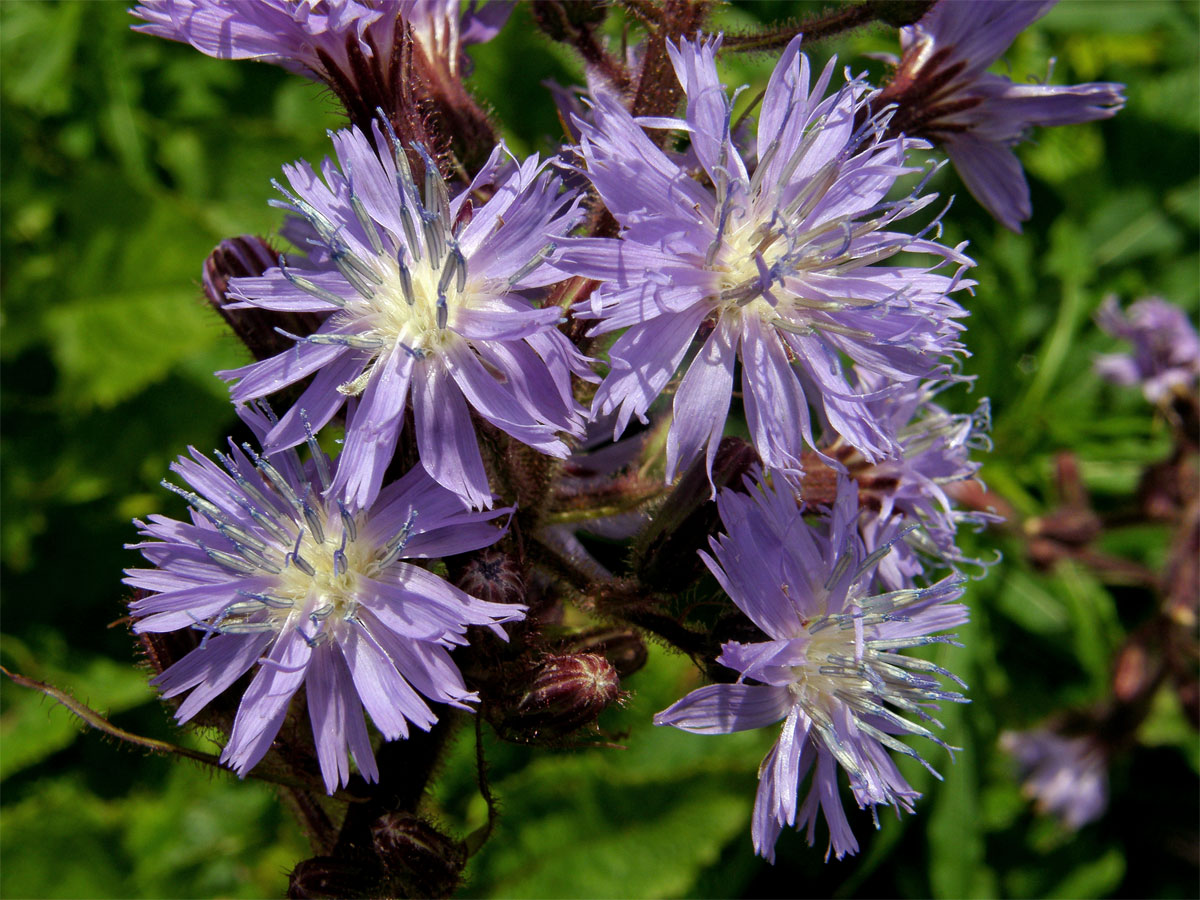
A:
[(420, 861), (898, 13), (492, 576), (331, 876), (624, 649), (259, 329), (565, 693)]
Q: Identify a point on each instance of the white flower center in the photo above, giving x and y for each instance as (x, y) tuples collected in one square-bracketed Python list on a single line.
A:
[(334, 562), (415, 303)]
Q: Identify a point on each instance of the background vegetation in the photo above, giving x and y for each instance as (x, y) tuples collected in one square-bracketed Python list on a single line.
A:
[(126, 158)]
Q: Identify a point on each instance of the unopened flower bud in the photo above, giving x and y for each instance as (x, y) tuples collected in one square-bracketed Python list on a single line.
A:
[(161, 650), (244, 257), (566, 693), (492, 576), (420, 861), (624, 649), (331, 876), (665, 557)]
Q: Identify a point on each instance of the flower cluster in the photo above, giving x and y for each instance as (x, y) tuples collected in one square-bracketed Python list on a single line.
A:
[(436, 318)]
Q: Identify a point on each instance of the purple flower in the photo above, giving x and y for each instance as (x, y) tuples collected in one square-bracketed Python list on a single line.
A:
[(316, 38), (1166, 349), (780, 262), (829, 667), (943, 92), (281, 578), (1068, 777), (423, 299), (909, 489)]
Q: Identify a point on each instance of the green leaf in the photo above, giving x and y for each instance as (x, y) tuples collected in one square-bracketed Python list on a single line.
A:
[(1168, 725), (111, 346), (1129, 226), (642, 822), (57, 843), (1027, 602), (583, 832), (1064, 153), (187, 835), (1092, 878), (1095, 629), (39, 41), (957, 866)]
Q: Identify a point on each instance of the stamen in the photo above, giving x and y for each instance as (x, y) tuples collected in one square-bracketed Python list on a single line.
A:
[(394, 547), (411, 236), (310, 287), (437, 199), (314, 522), (208, 629), (351, 341), (414, 352), (460, 262), (353, 270), (435, 238), (443, 310), (538, 258), (297, 560), (364, 219), (195, 500), (263, 520), (253, 556), (311, 641), (238, 536), (880, 552), (340, 564), (267, 600), (237, 564), (349, 526), (318, 456), (449, 268), (277, 480)]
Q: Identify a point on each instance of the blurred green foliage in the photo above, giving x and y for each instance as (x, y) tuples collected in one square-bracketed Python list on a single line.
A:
[(127, 158)]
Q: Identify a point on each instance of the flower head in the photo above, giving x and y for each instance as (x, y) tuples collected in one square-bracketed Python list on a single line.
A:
[(910, 488), (282, 578), (828, 668), (943, 92), (422, 299), (1166, 349), (1067, 776), (783, 259)]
